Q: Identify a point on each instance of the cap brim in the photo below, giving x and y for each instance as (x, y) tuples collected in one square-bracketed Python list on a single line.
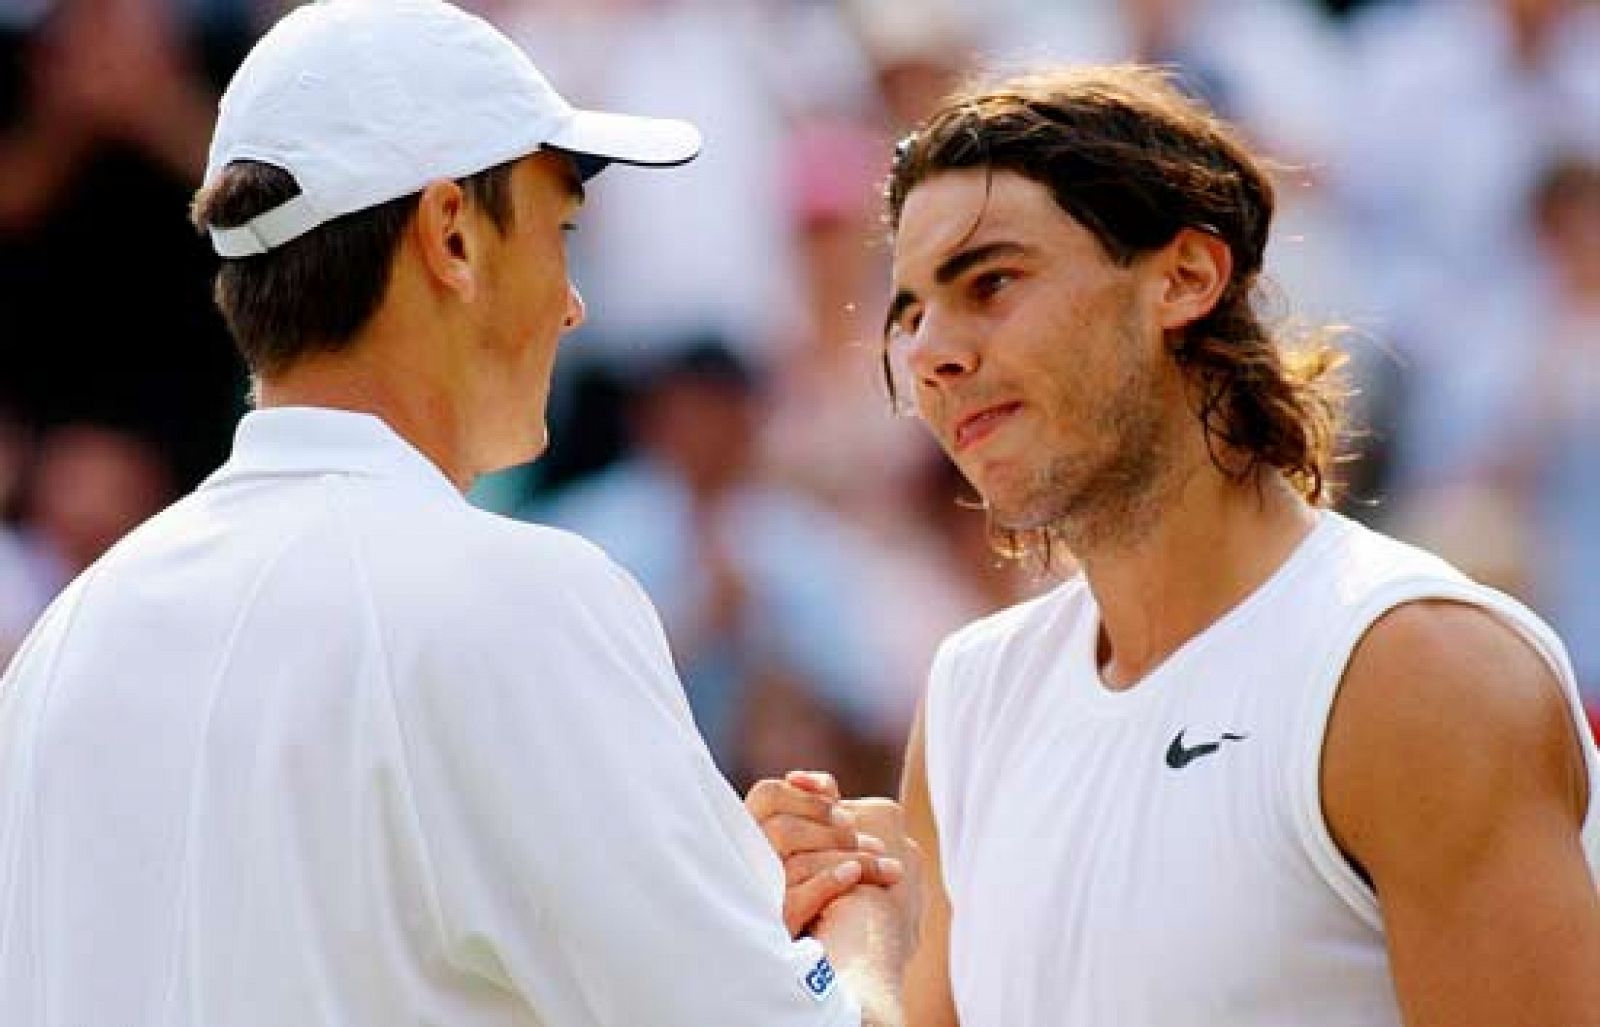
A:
[(597, 138)]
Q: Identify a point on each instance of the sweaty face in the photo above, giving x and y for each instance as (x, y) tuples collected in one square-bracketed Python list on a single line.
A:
[(1028, 352), (529, 303)]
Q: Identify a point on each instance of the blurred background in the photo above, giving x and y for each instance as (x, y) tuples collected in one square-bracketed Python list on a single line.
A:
[(719, 424)]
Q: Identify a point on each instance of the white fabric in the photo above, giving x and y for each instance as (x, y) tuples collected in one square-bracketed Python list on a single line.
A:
[(1094, 884), (324, 745), (287, 221), (366, 101)]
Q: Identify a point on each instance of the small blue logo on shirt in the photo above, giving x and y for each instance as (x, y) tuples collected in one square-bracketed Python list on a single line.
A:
[(819, 979)]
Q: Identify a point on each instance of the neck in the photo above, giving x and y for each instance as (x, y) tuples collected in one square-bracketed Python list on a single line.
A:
[(428, 415), (1209, 544)]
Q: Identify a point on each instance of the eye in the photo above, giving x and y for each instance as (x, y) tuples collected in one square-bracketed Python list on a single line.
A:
[(988, 283), (904, 324), (569, 227)]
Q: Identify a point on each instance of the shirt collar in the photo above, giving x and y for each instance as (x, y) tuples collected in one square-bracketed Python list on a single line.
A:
[(295, 441)]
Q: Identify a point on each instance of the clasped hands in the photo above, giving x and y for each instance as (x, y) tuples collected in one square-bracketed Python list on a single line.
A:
[(835, 850)]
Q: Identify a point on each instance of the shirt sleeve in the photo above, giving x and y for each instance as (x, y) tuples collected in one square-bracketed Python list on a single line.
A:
[(585, 850)]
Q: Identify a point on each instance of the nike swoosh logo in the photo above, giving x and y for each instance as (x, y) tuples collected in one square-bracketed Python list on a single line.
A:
[(1179, 756)]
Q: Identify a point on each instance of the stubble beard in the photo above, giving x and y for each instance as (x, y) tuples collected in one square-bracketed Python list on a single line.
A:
[(1112, 499)]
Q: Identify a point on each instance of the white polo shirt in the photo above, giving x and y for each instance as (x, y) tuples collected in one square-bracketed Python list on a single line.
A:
[(324, 744)]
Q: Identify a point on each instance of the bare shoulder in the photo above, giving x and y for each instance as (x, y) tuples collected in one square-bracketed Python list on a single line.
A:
[(1445, 666), (1447, 720)]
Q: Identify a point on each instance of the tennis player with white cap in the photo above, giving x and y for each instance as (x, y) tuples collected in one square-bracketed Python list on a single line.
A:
[(324, 744)]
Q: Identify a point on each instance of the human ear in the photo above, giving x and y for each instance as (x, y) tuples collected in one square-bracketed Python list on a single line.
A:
[(1196, 267), (445, 239)]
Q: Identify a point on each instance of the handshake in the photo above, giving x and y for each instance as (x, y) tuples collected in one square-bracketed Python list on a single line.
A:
[(852, 875)]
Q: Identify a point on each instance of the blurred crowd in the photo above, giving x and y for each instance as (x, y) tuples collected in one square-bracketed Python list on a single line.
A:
[(721, 424)]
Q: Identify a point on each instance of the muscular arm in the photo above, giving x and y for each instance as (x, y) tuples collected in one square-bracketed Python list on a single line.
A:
[(928, 999), (1452, 774)]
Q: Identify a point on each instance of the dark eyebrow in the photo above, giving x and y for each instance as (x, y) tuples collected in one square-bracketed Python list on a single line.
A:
[(957, 263), (950, 269)]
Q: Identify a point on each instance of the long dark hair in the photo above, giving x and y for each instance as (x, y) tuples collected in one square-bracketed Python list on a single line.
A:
[(1134, 160)]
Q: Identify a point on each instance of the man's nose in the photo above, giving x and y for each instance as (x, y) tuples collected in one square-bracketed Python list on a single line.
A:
[(940, 350)]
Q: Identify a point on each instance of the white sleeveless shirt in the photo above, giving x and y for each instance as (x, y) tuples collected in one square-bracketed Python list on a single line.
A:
[(1158, 856)]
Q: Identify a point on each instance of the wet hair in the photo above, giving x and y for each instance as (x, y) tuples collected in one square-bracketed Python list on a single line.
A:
[(1134, 160)]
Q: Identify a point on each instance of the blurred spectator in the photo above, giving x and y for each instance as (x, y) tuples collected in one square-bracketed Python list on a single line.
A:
[(1553, 457), (105, 312), (15, 447), (1524, 515), (89, 485), (828, 429), (754, 585), (934, 572), (918, 51), (1459, 107), (660, 259)]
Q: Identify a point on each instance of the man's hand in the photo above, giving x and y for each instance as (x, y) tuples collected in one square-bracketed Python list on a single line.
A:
[(828, 845), (870, 931), (885, 819)]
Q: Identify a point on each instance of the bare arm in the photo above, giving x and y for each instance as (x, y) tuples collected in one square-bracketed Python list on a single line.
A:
[(929, 1002), (1453, 775)]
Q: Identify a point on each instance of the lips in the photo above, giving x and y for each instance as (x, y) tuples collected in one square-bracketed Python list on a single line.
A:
[(980, 424)]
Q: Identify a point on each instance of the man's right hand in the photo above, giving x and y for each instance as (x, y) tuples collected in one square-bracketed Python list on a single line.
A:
[(867, 916), (883, 818), (830, 845)]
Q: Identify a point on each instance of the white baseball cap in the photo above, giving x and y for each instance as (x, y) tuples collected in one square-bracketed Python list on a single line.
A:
[(366, 101)]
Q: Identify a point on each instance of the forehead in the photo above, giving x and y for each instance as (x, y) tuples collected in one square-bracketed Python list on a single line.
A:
[(955, 210)]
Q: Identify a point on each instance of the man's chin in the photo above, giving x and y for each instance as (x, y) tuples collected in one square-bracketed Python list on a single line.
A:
[(1023, 514), (1010, 516), (1009, 506)]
